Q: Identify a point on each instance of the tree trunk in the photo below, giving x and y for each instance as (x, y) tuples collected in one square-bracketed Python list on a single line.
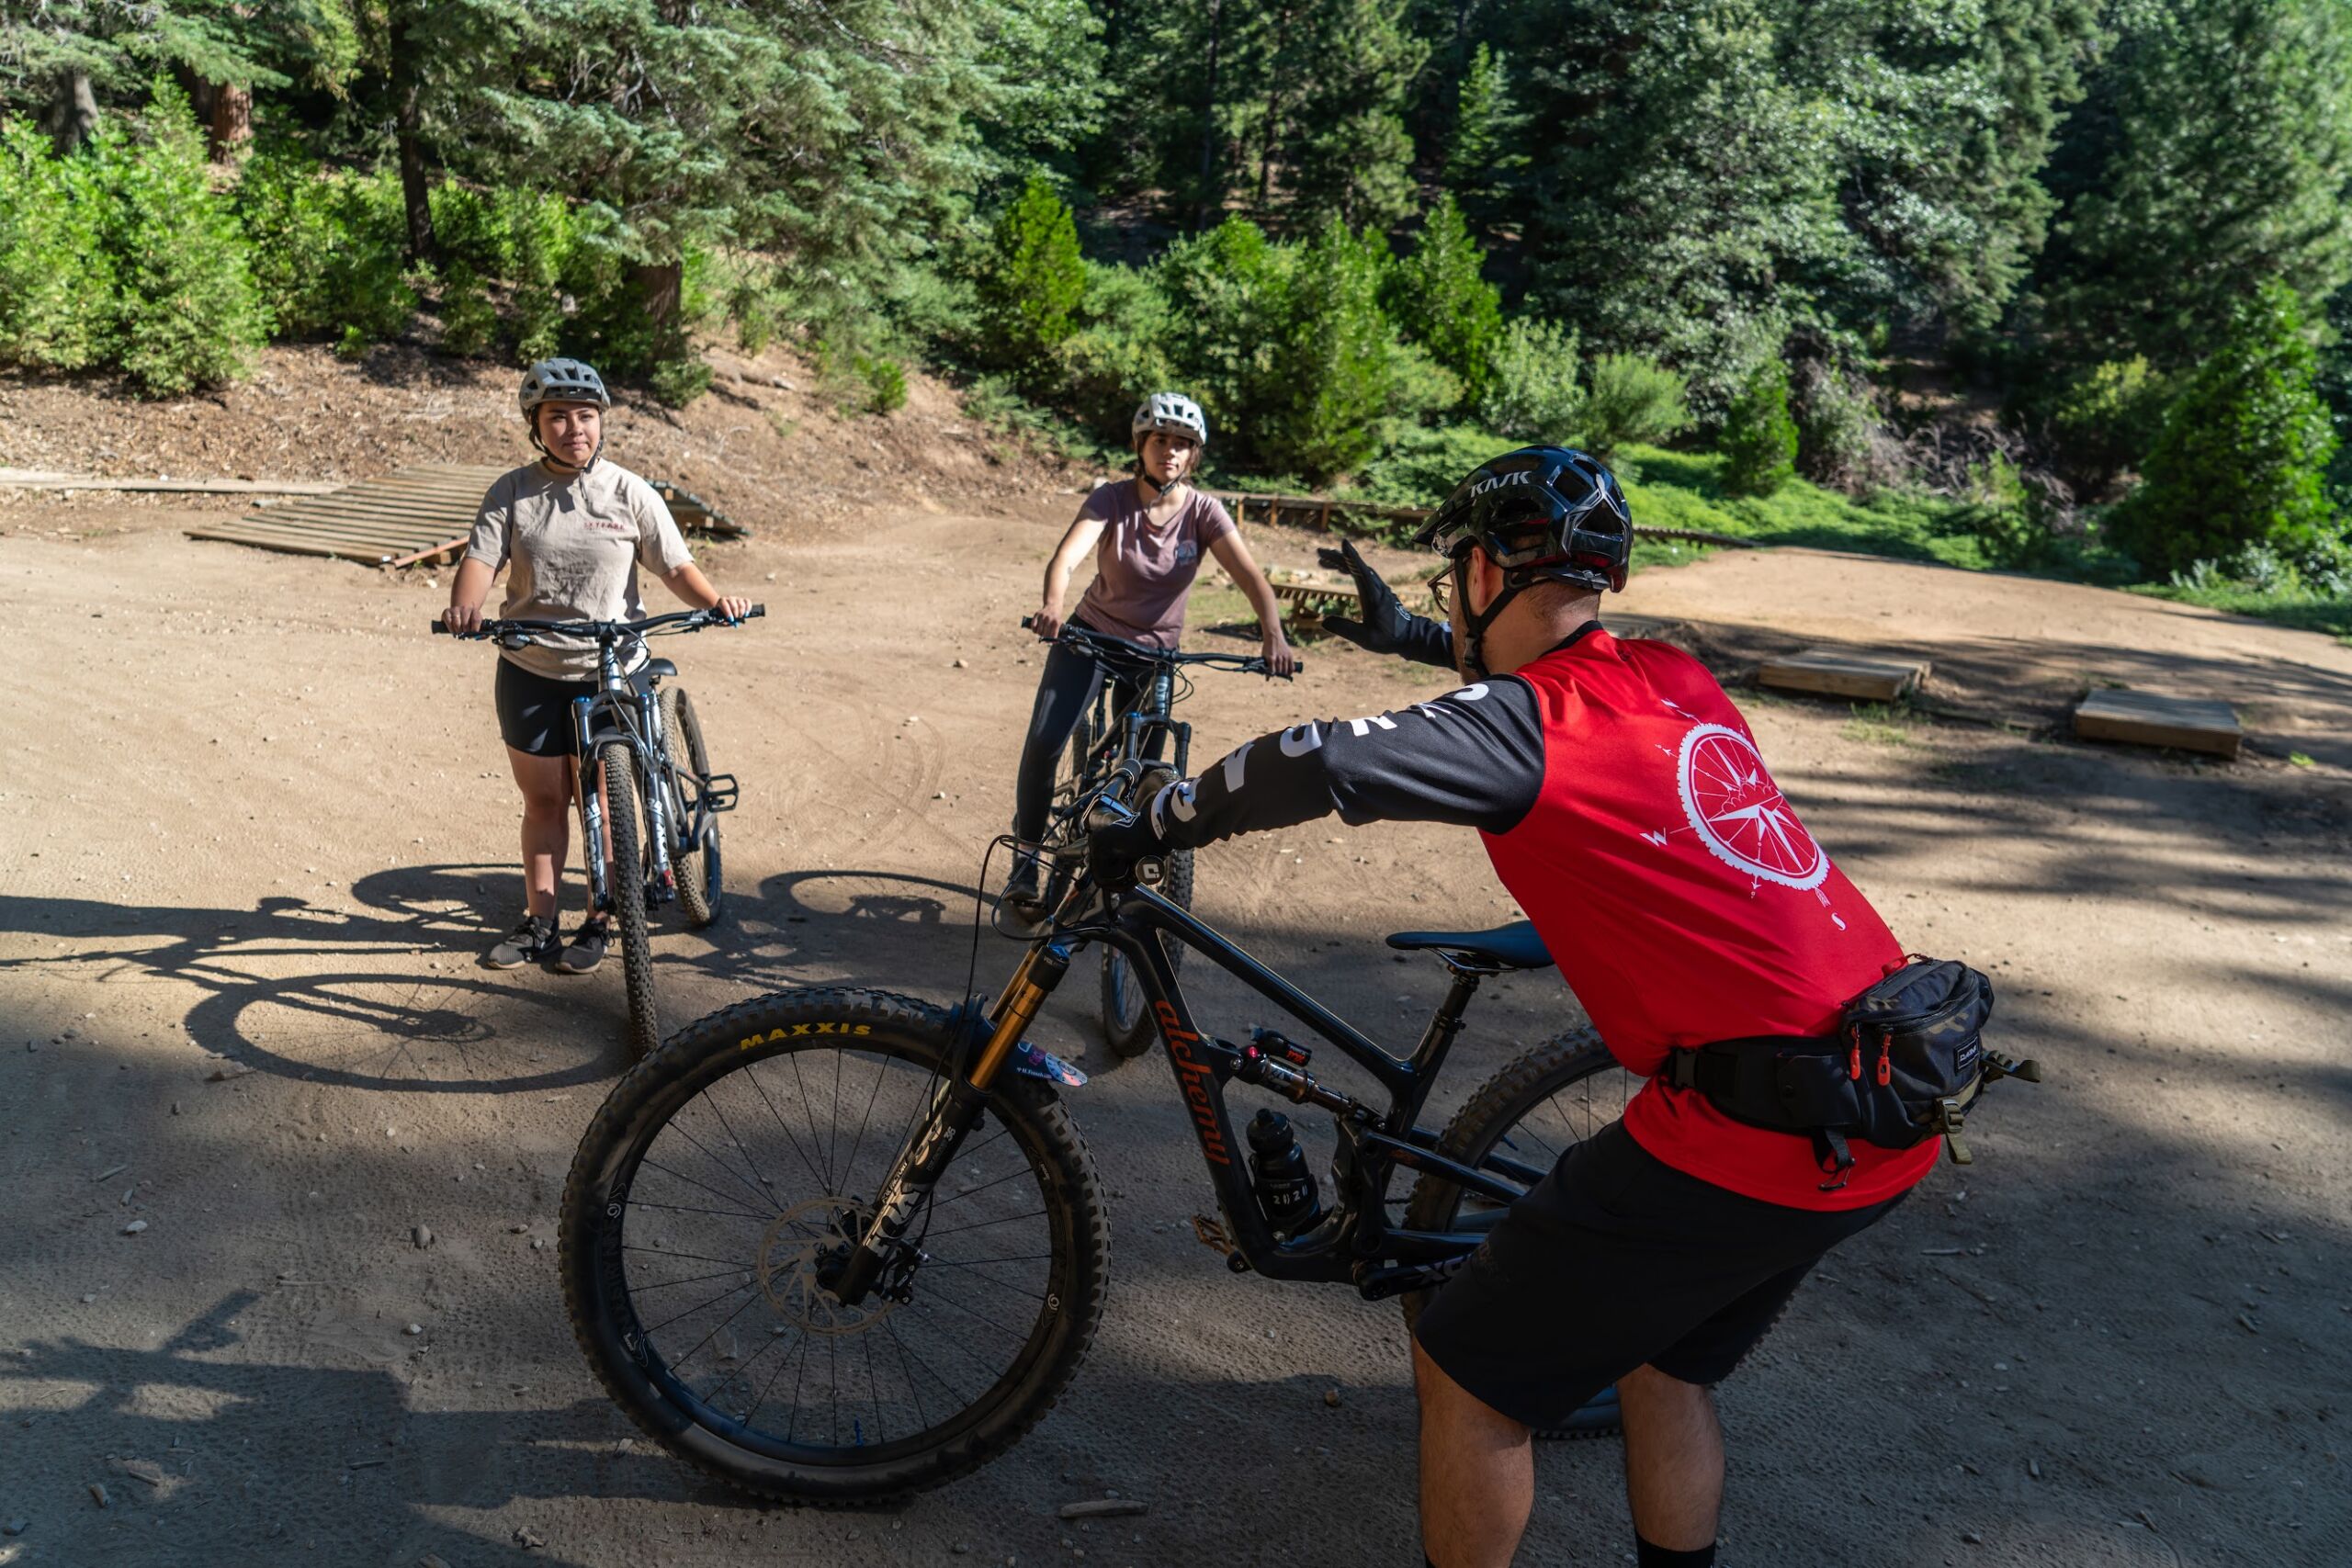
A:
[(72, 116), (1208, 126), (226, 112), (408, 135), (657, 285)]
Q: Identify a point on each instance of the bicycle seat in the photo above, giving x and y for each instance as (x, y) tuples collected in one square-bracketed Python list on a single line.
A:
[(654, 670), (1514, 946)]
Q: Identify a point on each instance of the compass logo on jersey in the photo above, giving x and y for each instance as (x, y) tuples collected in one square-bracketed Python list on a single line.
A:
[(1739, 813)]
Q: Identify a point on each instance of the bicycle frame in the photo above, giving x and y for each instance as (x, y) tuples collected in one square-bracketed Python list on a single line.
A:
[(620, 712), (1352, 1242)]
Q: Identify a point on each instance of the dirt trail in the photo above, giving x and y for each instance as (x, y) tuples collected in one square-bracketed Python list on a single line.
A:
[(256, 826)]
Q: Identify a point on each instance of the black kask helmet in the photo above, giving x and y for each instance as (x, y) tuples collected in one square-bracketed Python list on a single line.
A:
[(1543, 515)]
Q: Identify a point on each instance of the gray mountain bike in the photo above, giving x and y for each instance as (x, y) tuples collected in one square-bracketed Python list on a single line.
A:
[(660, 806)]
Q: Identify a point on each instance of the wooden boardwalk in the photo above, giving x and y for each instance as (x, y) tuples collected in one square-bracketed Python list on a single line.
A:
[(422, 513)]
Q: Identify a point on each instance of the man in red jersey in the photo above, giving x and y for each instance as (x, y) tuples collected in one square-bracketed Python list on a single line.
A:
[(1625, 805)]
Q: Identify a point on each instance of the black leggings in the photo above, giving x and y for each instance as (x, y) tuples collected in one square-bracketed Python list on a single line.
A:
[(1065, 691)]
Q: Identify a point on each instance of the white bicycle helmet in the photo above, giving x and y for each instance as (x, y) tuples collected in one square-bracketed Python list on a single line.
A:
[(561, 381), (1173, 413)]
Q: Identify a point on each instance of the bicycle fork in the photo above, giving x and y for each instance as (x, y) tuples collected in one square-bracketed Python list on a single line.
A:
[(955, 1110)]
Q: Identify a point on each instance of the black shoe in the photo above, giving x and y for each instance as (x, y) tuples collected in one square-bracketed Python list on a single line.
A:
[(1023, 897), (586, 948), (531, 940)]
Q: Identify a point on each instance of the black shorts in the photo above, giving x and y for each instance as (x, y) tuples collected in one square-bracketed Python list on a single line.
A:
[(1615, 1261), (535, 713)]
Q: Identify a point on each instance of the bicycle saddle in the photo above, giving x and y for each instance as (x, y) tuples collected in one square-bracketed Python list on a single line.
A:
[(1514, 946), (654, 670)]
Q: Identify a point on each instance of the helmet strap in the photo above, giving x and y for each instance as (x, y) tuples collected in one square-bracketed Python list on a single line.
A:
[(554, 461), (1476, 622)]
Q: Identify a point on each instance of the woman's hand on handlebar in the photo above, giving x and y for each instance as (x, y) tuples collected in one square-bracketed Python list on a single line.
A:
[(1048, 622), (733, 608), (463, 620), (1281, 662)]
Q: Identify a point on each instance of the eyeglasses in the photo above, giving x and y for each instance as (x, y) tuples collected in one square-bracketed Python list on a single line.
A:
[(1442, 591)]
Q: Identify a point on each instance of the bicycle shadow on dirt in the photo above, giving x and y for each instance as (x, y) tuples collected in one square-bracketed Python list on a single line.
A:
[(898, 930), (250, 1460), (402, 1007)]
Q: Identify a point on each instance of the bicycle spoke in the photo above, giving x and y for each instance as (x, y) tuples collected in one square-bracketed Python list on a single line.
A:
[(752, 1072), (982, 1224), (681, 1209), (689, 1280), (699, 1306), (706, 1185)]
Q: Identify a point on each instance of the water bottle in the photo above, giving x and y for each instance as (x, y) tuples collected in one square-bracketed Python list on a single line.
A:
[(1286, 1188)]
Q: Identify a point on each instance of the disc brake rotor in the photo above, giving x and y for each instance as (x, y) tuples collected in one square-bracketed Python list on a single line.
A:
[(795, 1253)]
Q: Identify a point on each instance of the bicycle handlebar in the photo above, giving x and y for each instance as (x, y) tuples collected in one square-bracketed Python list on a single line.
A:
[(1246, 664), (684, 620)]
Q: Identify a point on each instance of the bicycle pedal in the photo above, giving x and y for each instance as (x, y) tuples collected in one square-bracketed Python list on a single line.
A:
[(718, 792), (1210, 1234)]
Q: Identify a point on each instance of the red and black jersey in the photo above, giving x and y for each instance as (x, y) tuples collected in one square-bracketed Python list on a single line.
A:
[(1624, 804)]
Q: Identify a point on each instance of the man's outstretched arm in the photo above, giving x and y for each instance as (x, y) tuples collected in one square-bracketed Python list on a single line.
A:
[(1473, 757)]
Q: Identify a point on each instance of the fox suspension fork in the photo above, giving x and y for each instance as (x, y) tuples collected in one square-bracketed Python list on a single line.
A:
[(955, 1110)]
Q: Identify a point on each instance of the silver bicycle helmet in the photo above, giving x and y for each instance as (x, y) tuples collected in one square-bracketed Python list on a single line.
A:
[(561, 381), (1173, 413)]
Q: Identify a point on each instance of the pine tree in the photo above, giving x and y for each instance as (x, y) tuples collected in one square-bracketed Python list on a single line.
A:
[(1759, 435), (1032, 278), (2243, 451), (2215, 147), (1337, 364), (1484, 155), (1438, 299), (1347, 155)]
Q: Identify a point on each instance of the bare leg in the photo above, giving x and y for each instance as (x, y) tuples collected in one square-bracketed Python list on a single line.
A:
[(546, 784), (1674, 1460), (1478, 1474)]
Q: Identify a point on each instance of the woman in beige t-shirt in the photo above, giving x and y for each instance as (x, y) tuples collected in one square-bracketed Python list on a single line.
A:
[(573, 528), (1149, 536)]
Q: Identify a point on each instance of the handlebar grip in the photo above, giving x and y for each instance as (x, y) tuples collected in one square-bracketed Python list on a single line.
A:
[(1028, 623), (439, 628), (755, 612)]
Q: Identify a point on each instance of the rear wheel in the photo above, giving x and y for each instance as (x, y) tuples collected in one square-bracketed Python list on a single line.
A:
[(616, 767), (701, 889), (730, 1170), (1517, 1126)]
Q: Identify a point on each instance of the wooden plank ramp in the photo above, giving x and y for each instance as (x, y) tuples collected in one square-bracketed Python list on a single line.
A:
[(422, 513), (2152, 718), (1841, 672)]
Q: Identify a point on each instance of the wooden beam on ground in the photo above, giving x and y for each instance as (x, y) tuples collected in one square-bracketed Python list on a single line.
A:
[(2151, 718), (43, 479), (1837, 673)]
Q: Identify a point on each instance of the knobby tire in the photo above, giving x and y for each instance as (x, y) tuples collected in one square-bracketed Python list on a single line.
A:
[(702, 892), (616, 766)]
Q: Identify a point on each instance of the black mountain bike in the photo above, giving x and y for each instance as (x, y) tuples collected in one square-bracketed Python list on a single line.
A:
[(662, 809), (838, 1245), (1131, 718)]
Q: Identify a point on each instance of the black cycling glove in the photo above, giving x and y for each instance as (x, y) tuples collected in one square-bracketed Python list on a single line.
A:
[(1386, 626)]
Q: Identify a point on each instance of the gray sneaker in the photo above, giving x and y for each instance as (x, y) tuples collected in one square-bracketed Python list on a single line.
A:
[(586, 948), (531, 940)]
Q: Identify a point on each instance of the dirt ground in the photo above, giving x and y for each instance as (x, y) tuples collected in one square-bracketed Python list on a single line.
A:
[(256, 826)]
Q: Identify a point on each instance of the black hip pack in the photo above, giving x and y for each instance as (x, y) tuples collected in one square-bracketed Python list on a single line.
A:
[(1906, 1065)]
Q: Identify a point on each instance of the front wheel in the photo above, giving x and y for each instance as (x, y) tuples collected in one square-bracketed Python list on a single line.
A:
[(617, 768), (1126, 1013), (1517, 1126), (701, 889), (716, 1196)]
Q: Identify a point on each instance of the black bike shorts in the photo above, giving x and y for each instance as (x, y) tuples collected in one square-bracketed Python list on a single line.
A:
[(1616, 1261), (535, 712)]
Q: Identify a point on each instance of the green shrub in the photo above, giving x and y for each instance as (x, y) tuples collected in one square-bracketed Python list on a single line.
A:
[(2243, 451), (1424, 464), (1031, 279), (1531, 393), (886, 382), (1759, 435), (2103, 422), (56, 280), (2009, 515), (1117, 356), (186, 313), (325, 247), (1839, 437), (1338, 365), (1439, 298), (1628, 398), (1227, 294), (677, 382)]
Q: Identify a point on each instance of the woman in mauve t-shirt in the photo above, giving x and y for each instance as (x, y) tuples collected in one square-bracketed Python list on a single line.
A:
[(1149, 534)]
